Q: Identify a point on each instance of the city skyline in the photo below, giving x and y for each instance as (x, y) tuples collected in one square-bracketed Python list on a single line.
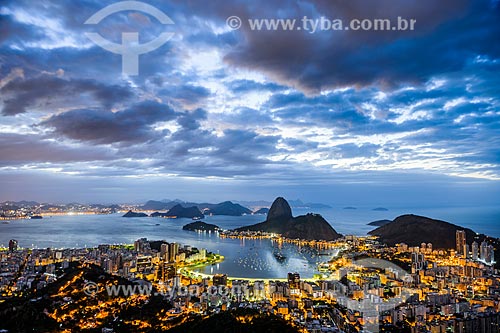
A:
[(347, 117), (249, 166)]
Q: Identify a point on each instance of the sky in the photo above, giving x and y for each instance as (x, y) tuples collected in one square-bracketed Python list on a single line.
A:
[(347, 117)]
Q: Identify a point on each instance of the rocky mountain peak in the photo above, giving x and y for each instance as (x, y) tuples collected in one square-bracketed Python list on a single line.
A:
[(280, 210)]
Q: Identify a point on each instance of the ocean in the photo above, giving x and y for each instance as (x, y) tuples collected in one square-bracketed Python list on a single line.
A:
[(243, 258)]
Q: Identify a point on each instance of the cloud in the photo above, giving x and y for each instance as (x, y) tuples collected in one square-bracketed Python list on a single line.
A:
[(276, 108), (47, 92), (132, 125), (448, 34), (16, 149)]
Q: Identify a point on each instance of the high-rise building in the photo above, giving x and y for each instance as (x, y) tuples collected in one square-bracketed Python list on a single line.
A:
[(460, 242), (491, 254), (142, 245), (466, 251), (294, 280), (475, 250), (418, 261), (12, 245), (173, 250), (164, 251), (483, 250)]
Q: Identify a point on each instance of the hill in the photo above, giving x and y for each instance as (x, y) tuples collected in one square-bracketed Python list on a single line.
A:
[(179, 212), (231, 322), (379, 223), (65, 306), (134, 214), (200, 226), (280, 220), (414, 230), (156, 205), (223, 208), (227, 208), (262, 211)]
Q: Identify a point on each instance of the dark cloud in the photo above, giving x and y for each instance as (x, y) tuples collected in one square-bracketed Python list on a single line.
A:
[(19, 149), (20, 95), (133, 125), (185, 96), (14, 32), (448, 34)]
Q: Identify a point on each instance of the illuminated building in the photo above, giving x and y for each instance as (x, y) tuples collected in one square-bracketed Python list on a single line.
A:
[(475, 251), (173, 250), (460, 242), (12, 245)]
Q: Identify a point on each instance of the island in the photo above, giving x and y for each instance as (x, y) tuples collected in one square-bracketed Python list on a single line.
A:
[(379, 223), (223, 208), (349, 208), (227, 208), (261, 211), (179, 212), (281, 221), (299, 204), (200, 226), (380, 209), (134, 214)]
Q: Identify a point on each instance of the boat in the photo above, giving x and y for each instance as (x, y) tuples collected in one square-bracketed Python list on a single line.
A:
[(5, 222), (281, 258), (36, 217)]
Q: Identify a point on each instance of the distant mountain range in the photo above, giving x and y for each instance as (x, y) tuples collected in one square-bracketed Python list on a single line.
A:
[(223, 208), (280, 220), (293, 203), (234, 208)]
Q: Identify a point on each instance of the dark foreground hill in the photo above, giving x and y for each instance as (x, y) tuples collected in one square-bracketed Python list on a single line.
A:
[(280, 220), (67, 306), (414, 230), (231, 322)]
